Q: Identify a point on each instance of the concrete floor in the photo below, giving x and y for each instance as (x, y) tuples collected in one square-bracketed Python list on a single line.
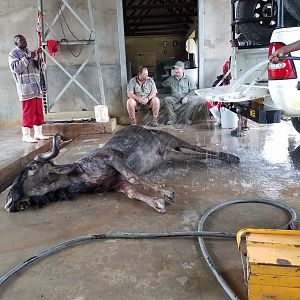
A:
[(154, 269), (12, 147)]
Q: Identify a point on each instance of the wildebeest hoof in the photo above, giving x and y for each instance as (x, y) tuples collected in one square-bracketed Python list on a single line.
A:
[(233, 159), (238, 132), (230, 158), (159, 205), (133, 180), (22, 205), (169, 195)]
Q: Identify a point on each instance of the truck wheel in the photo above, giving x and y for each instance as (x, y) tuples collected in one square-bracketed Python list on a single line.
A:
[(293, 7), (259, 32), (296, 123)]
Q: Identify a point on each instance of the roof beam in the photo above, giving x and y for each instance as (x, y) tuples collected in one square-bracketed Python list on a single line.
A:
[(156, 33), (178, 24), (162, 16), (158, 6), (158, 29)]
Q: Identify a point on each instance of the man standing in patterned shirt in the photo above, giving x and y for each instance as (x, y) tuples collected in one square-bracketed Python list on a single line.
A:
[(24, 67)]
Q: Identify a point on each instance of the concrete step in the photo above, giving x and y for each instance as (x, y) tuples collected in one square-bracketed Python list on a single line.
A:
[(72, 129), (69, 115), (20, 155)]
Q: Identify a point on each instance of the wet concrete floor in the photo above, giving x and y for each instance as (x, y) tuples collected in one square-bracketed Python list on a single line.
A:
[(154, 269)]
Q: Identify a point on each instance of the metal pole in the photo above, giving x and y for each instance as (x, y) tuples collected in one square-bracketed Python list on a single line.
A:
[(122, 52), (233, 18), (280, 15), (98, 61), (43, 56), (40, 8), (201, 37)]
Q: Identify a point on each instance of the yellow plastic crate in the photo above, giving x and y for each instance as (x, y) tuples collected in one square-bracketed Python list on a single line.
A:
[(273, 263)]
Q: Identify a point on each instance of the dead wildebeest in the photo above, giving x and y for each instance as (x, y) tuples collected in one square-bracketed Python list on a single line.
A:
[(117, 166)]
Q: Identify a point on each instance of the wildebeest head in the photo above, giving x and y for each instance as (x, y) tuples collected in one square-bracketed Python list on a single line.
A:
[(38, 178)]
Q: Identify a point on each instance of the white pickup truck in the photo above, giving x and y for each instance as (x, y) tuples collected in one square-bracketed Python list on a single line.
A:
[(259, 90), (284, 77)]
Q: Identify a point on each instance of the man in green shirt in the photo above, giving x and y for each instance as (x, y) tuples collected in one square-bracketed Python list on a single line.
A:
[(182, 91)]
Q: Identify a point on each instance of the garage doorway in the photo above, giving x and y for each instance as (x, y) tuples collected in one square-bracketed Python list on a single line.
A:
[(155, 34), (148, 60)]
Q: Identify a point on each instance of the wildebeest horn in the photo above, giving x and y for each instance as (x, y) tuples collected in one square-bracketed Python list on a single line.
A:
[(53, 153), (8, 203)]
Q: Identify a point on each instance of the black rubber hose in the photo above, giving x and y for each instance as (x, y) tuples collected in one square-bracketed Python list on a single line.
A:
[(212, 210), (121, 235), (289, 58)]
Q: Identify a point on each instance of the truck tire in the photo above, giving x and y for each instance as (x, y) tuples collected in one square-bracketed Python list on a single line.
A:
[(293, 7), (259, 32), (296, 123)]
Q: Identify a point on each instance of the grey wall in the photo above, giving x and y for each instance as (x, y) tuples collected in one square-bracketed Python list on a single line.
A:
[(20, 17), (217, 37), (13, 19)]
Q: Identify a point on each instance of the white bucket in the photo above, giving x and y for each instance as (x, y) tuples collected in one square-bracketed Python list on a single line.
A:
[(228, 118), (215, 112), (101, 113)]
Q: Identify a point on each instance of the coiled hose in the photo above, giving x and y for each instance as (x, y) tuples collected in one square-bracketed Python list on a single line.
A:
[(212, 210), (151, 235)]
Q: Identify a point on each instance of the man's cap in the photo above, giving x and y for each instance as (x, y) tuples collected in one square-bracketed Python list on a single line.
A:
[(179, 64)]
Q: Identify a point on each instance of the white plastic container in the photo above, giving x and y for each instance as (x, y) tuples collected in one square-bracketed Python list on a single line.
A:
[(228, 118), (101, 113)]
